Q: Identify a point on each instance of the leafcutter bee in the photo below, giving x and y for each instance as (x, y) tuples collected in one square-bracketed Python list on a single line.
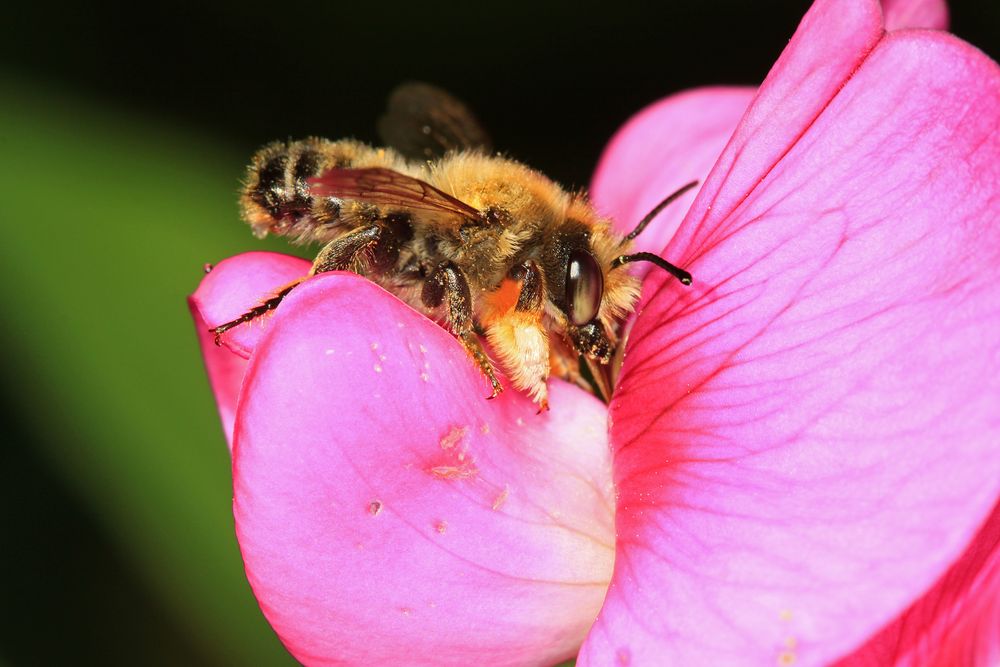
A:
[(484, 244)]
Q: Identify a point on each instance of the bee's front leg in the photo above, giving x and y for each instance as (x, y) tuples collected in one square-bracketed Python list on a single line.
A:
[(336, 255), (517, 334), (447, 283)]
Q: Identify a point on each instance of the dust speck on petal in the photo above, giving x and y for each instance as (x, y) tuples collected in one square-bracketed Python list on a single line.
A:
[(484, 429), (374, 346), (455, 461), (623, 656), (501, 497), (441, 527), (454, 472), (453, 437), (405, 611), (375, 507), (378, 368), (786, 658), (423, 350), (425, 377), (520, 422), (328, 351)]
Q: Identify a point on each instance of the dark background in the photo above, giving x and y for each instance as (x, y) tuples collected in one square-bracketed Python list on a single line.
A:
[(123, 133)]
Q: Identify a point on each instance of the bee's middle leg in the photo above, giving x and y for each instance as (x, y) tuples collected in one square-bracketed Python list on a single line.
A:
[(337, 255), (340, 254), (447, 283)]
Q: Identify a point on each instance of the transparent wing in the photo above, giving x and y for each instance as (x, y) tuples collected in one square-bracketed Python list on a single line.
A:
[(386, 187), (424, 122)]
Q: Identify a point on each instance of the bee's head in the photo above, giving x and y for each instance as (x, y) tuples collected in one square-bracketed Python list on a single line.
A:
[(585, 283), (583, 287)]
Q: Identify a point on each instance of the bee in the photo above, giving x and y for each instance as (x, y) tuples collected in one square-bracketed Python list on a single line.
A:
[(484, 244)]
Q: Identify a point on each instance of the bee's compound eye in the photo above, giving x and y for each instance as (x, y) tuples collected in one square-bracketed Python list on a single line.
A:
[(584, 287)]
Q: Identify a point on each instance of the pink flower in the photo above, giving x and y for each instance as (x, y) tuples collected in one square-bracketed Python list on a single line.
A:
[(803, 458)]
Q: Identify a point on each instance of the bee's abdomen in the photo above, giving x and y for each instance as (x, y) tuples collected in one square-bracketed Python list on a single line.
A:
[(276, 197)]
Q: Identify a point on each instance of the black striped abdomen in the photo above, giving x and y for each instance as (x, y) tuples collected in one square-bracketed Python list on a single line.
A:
[(276, 197)]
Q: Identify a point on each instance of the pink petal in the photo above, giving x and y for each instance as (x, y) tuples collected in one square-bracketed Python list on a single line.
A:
[(665, 146), (231, 288), (225, 372), (832, 41), (955, 623), (806, 440), (389, 514), (900, 14), (239, 283)]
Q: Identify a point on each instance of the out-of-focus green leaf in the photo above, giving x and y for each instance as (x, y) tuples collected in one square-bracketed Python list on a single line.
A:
[(107, 223)]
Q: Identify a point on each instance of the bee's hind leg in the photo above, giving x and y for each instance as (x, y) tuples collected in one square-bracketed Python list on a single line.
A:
[(447, 283), (255, 312), (337, 255)]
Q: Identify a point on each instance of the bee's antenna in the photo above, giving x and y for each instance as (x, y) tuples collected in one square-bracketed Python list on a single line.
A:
[(676, 272), (656, 211)]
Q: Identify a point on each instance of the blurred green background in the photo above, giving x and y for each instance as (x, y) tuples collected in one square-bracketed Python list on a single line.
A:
[(123, 135)]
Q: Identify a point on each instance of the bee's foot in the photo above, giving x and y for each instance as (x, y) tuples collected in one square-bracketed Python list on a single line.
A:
[(543, 406), (221, 329)]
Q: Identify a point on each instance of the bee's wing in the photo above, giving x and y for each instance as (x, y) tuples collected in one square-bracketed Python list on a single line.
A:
[(386, 187), (424, 122)]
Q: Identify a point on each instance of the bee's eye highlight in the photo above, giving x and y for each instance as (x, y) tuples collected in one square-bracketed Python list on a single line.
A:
[(584, 287)]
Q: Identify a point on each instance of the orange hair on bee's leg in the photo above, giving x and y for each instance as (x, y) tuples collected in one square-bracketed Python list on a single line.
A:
[(514, 327), (521, 344)]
